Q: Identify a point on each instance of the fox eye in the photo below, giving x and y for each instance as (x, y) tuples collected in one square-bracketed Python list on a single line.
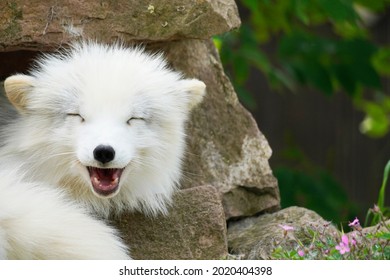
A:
[(132, 119), (75, 115)]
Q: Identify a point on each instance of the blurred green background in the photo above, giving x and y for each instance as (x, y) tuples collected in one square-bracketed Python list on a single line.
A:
[(315, 74)]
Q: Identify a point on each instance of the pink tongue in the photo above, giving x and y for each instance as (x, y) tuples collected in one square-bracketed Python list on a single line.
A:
[(105, 180)]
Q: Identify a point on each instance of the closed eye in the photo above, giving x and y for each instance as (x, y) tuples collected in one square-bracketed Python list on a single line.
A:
[(132, 119), (75, 115)]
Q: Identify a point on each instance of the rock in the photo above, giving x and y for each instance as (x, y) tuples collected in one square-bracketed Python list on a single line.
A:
[(225, 147), (256, 237), (226, 150), (41, 24), (194, 229)]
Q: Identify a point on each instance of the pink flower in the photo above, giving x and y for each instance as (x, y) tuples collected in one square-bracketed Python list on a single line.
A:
[(326, 251), (301, 253), (343, 246), (344, 239), (287, 227), (355, 223)]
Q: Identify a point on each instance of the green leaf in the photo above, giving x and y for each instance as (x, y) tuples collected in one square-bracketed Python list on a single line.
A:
[(373, 5), (241, 70), (384, 235), (339, 10), (345, 78), (366, 75), (381, 197), (356, 55), (253, 5), (381, 61), (301, 10), (376, 122), (256, 57), (246, 97), (317, 75), (217, 43), (277, 77)]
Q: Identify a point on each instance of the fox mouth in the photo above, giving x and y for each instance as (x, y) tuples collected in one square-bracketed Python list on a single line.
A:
[(105, 181)]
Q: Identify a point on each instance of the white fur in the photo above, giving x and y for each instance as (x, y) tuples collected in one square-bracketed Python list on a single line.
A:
[(126, 99), (37, 222)]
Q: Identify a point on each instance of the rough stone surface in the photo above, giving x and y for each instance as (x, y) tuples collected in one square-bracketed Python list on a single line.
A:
[(226, 150), (37, 24), (194, 229), (255, 237), (225, 147)]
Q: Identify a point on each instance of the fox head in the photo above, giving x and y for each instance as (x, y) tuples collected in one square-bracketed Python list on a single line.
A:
[(106, 123)]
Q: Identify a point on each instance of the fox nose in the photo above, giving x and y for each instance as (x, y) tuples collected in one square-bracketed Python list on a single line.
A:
[(104, 154)]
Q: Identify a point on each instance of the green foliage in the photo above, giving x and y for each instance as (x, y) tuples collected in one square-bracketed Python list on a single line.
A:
[(321, 44), (311, 186), (376, 122), (315, 190), (329, 64)]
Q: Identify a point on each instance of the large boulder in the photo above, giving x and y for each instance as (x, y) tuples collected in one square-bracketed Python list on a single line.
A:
[(43, 24), (225, 147), (227, 154), (194, 229), (256, 237)]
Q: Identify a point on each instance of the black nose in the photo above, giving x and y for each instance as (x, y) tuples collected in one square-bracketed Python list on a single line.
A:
[(104, 153)]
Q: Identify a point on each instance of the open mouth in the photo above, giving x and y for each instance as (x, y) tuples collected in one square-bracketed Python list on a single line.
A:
[(105, 181)]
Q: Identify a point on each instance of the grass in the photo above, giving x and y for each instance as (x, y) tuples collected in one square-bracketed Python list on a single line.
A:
[(372, 217)]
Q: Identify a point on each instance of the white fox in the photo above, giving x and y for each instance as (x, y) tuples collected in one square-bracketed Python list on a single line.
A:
[(100, 129)]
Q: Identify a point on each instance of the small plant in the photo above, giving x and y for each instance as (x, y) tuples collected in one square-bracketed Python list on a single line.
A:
[(379, 210), (324, 242), (321, 243)]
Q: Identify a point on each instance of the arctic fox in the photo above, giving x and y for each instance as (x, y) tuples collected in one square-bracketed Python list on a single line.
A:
[(100, 129)]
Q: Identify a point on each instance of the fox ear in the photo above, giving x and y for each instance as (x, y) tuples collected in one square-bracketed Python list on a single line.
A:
[(17, 88), (195, 90)]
